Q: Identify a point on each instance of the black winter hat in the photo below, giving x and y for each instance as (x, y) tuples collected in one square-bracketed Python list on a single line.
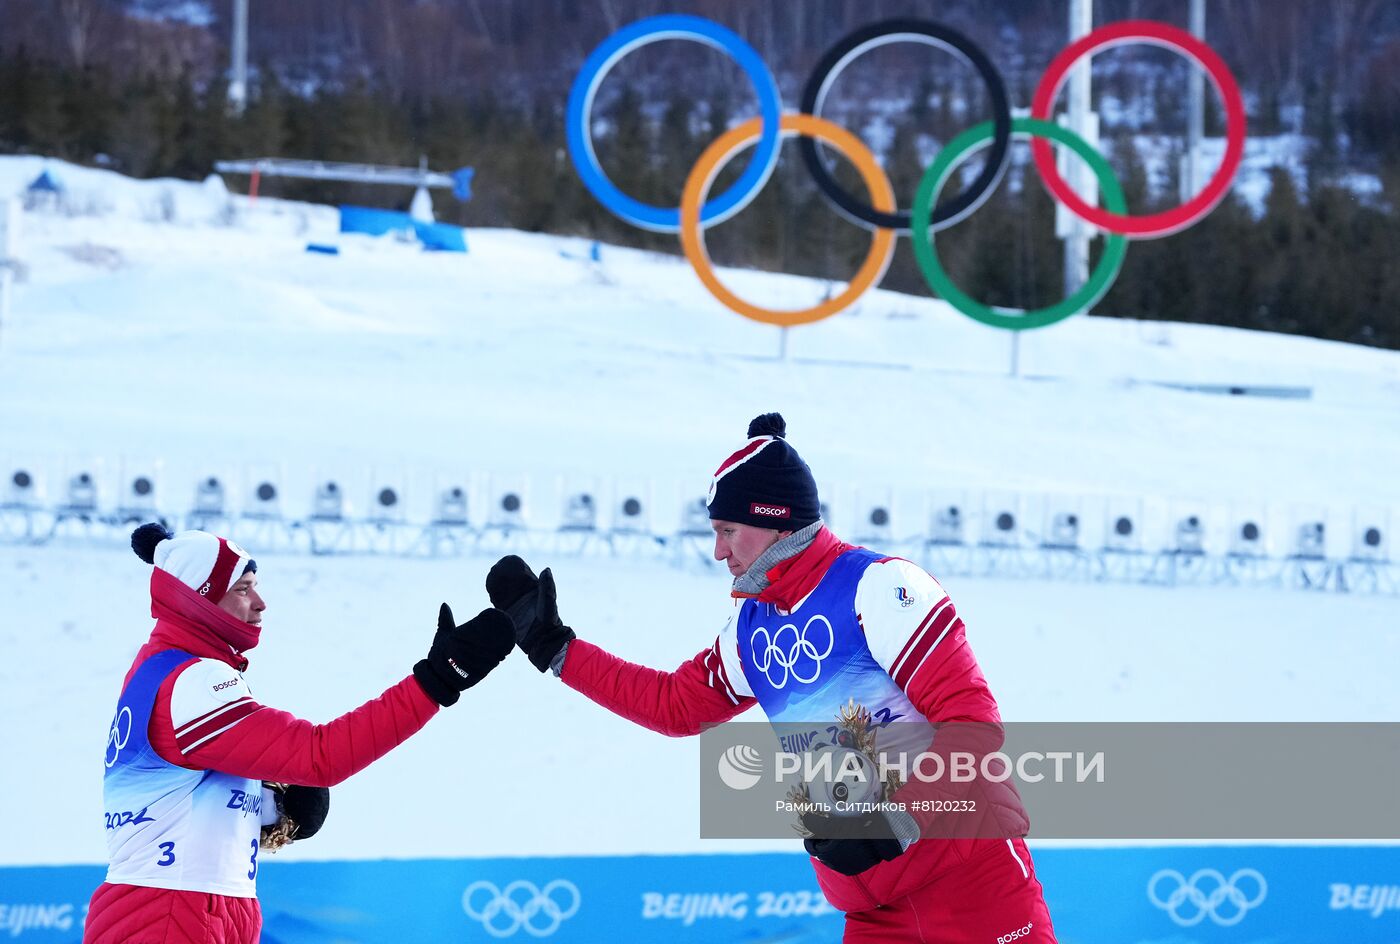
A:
[(766, 483)]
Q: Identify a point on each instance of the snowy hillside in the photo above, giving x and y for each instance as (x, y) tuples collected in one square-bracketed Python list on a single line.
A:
[(514, 358), (156, 329)]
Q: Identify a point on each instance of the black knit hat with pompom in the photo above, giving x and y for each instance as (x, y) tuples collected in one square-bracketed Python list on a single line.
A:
[(765, 483)]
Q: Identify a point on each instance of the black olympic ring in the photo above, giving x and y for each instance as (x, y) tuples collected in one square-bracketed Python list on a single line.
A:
[(920, 31)]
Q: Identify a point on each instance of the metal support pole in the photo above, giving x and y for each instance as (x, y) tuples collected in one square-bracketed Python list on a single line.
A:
[(238, 82), (1196, 114), (1081, 21)]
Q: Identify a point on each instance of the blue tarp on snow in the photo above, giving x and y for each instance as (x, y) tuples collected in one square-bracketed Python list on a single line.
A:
[(44, 183), (442, 236), (376, 222)]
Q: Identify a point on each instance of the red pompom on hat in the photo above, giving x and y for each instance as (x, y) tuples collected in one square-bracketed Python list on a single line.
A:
[(206, 563)]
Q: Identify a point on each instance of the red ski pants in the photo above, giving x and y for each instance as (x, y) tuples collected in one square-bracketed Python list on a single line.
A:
[(994, 898)]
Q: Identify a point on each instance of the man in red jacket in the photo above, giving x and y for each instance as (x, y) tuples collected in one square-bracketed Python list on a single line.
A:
[(877, 632), (195, 766)]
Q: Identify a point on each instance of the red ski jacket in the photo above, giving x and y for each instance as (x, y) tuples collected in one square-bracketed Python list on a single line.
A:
[(228, 731), (931, 662)]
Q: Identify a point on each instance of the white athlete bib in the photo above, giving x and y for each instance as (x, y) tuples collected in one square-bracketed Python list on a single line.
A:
[(167, 826)]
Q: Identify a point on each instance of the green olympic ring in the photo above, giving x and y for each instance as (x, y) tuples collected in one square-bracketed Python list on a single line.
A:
[(937, 174)]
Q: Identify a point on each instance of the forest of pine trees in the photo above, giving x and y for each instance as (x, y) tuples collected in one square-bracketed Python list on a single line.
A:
[(1319, 261)]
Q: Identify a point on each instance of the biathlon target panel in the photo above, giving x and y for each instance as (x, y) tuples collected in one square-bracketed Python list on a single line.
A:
[(209, 496), (452, 506), (328, 503), (82, 492)]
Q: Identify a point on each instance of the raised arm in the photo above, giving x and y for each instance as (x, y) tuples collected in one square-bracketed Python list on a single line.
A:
[(685, 702), (205, 717), (699, 694)]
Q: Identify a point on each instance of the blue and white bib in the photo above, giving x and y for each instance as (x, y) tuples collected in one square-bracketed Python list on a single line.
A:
[(806, 666), (168, 826)]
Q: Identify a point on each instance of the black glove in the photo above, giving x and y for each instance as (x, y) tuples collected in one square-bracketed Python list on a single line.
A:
[(530, 603), (462, 655), (850, 844), (306, 807)]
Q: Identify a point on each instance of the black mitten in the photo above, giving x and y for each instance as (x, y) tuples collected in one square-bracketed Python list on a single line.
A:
[(463, 655), (533, 608), (509, 581), (851, 844), (852, 856)]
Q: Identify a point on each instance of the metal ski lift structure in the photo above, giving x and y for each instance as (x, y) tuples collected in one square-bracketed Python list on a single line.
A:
[(458, 181)]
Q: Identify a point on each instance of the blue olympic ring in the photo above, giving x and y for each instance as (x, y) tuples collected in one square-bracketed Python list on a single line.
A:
[(595, 69)]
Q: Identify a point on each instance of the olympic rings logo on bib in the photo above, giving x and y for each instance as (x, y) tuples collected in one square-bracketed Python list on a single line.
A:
[(118, 735), (791, 651), (928, 214)]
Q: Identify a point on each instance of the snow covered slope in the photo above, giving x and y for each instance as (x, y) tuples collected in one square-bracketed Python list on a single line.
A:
[(230, 344), (154, 327)]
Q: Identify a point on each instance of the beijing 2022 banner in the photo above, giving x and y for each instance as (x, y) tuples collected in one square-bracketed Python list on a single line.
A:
[(1177, 894)]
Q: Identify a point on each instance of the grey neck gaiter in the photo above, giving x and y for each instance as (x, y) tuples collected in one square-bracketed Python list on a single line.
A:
[(754, 581)]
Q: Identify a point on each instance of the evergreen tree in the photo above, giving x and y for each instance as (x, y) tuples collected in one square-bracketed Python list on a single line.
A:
[(261, 131), (135, 142), (89, 110), (43, 127)]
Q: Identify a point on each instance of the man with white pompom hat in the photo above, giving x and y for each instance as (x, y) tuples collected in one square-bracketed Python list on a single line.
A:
[(200, 776)]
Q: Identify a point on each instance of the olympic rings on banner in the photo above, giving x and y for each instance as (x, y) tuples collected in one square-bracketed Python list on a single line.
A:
[(642, 33), (519, 905), (712, 161), (1158, 34), (697, 212), (1099, 280), (917, 31)]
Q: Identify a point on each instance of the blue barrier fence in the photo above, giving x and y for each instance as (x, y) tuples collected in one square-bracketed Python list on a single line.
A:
[(1159, 895)]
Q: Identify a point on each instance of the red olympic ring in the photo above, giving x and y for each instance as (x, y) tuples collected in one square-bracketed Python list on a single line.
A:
[(1149, 225)]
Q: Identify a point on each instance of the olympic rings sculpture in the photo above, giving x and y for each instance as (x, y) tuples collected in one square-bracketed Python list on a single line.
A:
[(929, 214)]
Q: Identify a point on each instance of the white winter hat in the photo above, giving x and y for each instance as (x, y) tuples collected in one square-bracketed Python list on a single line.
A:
[(204, 562)]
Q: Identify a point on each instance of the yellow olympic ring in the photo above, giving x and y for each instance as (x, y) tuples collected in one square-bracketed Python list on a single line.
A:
[(712, 161)]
